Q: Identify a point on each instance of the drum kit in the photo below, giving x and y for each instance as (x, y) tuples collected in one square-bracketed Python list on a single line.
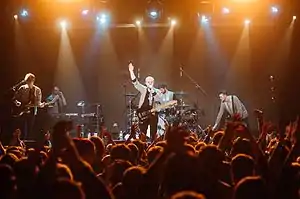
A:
[(179, 114)]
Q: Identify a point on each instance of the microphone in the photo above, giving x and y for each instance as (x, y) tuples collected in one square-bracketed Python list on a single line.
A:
[(138, 73), (19, 84), (180, 73)]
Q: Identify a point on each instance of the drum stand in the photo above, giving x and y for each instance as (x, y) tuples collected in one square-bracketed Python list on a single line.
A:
[(129, 108), (98, 119)]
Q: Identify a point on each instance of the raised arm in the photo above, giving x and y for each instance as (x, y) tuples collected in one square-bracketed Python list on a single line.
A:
[(131, 71), (134, 80)]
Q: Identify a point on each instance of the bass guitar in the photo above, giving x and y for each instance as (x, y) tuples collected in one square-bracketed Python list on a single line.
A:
[(145, 114)]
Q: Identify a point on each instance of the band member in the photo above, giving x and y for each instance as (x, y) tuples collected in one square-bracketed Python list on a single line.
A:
[(147, 100), (28, 97), (57, 102), (231, 105), (164, 96)]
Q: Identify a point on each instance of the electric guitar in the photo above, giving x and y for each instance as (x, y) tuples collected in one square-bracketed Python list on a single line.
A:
[(18, 111), (145, 114)]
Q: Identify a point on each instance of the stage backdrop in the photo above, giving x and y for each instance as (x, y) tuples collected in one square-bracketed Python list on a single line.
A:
[(90, 64)]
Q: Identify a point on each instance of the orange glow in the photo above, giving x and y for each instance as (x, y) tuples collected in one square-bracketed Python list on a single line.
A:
[(173, 22), (244, 1), (63, 1)]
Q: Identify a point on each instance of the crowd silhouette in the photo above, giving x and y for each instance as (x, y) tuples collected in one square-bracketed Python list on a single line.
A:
[(227, 164)]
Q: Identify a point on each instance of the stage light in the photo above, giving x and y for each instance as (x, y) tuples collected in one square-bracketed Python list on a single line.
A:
[(103, 18), (225, 10), (274, 9), (247, 22), (24, 13), (294, 17), (204, 19), (15, 17), (173, 22), (138, 22), (85, 12), (153, 14), (63, 24)]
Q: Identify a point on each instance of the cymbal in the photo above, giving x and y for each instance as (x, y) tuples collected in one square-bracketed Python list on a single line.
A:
[(180, 93), (184, 106)]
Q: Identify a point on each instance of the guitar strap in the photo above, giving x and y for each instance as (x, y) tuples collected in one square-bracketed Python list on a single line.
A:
[(232, 104), (31, 95)]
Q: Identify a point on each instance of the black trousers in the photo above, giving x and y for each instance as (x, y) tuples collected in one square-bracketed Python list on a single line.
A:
[(26, 124), (152, 121)]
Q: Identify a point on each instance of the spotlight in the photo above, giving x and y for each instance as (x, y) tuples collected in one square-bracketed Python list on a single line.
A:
[(274, 9), (85, 12), (15, 17), (102, 18), (153, 13), (138, 22), (173, 22), (294, 17), (24, 13), (225, 10), (204, 19), (63, 24), (247, 22)]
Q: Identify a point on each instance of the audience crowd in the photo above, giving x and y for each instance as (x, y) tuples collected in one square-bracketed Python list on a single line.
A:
[(228, 164)]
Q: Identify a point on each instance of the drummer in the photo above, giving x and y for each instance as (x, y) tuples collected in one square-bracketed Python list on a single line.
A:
[(163, 97)]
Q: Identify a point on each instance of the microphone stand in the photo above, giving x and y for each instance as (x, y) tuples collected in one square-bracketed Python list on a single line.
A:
[(198, 87), (17, 85), (131, 99)]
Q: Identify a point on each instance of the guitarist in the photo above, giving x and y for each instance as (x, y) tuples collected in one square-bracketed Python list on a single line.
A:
[(231, 105), (27, 99), (147, 100)]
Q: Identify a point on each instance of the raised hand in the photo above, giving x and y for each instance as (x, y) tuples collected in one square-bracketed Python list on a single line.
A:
[(130, 67)]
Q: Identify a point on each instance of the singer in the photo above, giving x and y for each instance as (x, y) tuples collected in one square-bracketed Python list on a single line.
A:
[(146, 102), (27, 99)]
